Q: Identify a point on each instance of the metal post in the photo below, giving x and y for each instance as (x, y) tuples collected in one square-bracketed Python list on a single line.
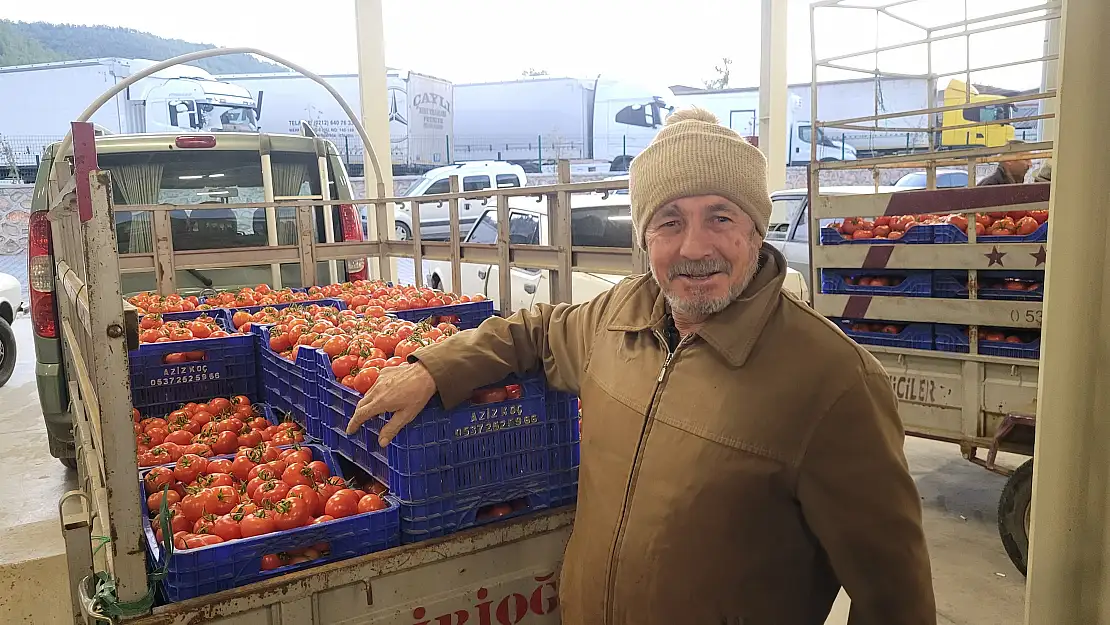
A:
[(539, 153), (559, 226), (1069, 563), (772, 92), (455, 236), (375, 113)]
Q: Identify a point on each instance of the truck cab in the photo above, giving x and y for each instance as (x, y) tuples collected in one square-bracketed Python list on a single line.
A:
[(996, 130), (188, 170), (597, 220)]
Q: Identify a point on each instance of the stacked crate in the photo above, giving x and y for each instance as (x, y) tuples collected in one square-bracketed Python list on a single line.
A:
[(941, 287)]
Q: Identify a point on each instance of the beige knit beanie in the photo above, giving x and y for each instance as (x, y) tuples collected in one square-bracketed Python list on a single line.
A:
[(695, 155)]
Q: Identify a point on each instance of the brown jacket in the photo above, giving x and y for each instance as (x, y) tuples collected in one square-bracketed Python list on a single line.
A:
[(741, 480), (998, 176)]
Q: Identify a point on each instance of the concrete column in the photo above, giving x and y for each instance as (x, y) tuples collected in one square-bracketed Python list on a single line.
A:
[(772, 91), (1069, 567), (375, 110)]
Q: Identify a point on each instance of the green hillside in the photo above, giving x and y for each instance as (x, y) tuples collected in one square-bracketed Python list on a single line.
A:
[(22, 43)]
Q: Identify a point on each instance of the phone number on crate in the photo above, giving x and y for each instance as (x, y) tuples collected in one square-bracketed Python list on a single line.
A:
[(486, 427), (186, 375)]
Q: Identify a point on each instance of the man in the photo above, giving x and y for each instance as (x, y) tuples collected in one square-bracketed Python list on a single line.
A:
[(1044, 174), (742, 458), (1008, 172)]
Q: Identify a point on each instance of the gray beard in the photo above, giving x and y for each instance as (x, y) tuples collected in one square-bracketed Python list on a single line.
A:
[(701, 307)]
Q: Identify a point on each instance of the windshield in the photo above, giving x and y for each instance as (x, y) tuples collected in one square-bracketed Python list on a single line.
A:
[(911, 180), (221, 118)]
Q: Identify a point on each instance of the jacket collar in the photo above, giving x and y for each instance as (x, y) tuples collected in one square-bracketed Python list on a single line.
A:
[(733, 332)]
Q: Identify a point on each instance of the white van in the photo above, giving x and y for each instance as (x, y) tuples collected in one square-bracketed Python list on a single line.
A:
[(597, 220), (435, 222)]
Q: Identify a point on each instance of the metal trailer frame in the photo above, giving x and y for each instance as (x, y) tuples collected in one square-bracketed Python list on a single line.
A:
[(98, 327), (976, 401)]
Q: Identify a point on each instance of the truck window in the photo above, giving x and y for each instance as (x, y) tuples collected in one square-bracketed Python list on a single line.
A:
[(507, 180), (475, 183), (524, 229), (601, 226), (801, 231)]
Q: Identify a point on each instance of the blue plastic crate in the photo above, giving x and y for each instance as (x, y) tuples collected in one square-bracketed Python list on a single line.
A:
[(196, 572), (947, 233), (227, 367), (445, 452), (916, 234), (912, 335), (447, 515), (470, 315), (952, 283), (950, 338), (915, 283), (288, 386)]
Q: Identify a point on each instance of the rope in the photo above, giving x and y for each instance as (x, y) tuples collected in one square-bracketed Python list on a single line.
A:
[(105, 599)]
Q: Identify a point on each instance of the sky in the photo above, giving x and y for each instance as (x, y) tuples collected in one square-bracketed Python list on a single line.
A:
[(645, 41)]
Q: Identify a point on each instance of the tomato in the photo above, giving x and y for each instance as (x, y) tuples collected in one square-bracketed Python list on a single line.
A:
[(366, 379), (240, 400), (223, 500), (221, 465), (239, 318), (277, 465), (204, 540), (214, 480), (1039, 216), (250, 439), (226, 443), (259, 423), (198, 449), (199, 329), (256, 524), (193, 505), (489, 395), (180, 437), (226, 527), (309, 495), (1026, 226), (297, 454), (154, 500), (263, 472), (189, 467), (341, 366), (343, 503), (271, 561), (291, 513), (271, 491), (371, 502), (159, 477), (240, 467), (220, 404), (395, 361), (320, 471)]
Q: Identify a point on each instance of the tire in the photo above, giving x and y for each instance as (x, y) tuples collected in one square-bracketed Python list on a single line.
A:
[(7, 351), (70, 463), (403, 231), (1013, 515), (437, 284)]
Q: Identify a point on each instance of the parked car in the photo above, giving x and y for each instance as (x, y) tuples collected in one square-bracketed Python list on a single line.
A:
[(435, 223), (11, 300), (946, 178)]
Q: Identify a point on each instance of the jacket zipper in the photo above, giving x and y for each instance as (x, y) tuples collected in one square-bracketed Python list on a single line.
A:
[(619, 538)]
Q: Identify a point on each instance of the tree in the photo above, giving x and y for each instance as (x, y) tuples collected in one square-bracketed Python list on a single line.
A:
[(532, 72), (723, 72)]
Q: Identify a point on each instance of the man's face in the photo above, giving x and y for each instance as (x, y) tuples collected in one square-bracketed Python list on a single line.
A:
[(1017, 169), (703, 252)]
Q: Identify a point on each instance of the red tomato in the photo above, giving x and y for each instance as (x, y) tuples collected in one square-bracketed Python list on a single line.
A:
[(489, 395), (343, 503), (222, 465), (189, 467), (250, 439), (324, 518), (370, 503), (366, 379), (223, 500), (226, 443), (291, 513), (240, 467), (193, 505), (154, 500), (271, 491), (180, 437), (297, 454), (298, 474), (256, 524), (198, 449), (227, 528), (214, 480), (320, 471), (310, 497), (271, 561)]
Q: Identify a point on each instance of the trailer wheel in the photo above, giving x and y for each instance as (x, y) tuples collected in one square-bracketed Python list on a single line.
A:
[(1014, 507)]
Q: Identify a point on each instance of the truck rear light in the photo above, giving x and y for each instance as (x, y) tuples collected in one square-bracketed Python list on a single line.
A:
[(352, 231), (195, 141), (40, 271)]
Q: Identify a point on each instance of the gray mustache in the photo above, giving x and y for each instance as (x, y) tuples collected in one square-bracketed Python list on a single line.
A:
[(699, 268)]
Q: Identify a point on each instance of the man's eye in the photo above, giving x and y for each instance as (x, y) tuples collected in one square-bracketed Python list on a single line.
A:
[(721, 219)]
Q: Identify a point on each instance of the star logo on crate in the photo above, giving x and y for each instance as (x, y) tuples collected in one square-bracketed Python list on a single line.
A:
[(995, 257), (1040, 256)]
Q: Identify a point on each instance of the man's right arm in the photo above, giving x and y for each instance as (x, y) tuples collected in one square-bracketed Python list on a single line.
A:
[(558, 337)]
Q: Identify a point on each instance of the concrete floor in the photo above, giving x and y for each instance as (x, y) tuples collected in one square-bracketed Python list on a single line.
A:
[(974, 580)]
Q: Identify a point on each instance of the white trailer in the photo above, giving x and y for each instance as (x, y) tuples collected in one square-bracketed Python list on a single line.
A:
[(847, 99), (421, 114), (39, 101), (738, 109), (602, 121)]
